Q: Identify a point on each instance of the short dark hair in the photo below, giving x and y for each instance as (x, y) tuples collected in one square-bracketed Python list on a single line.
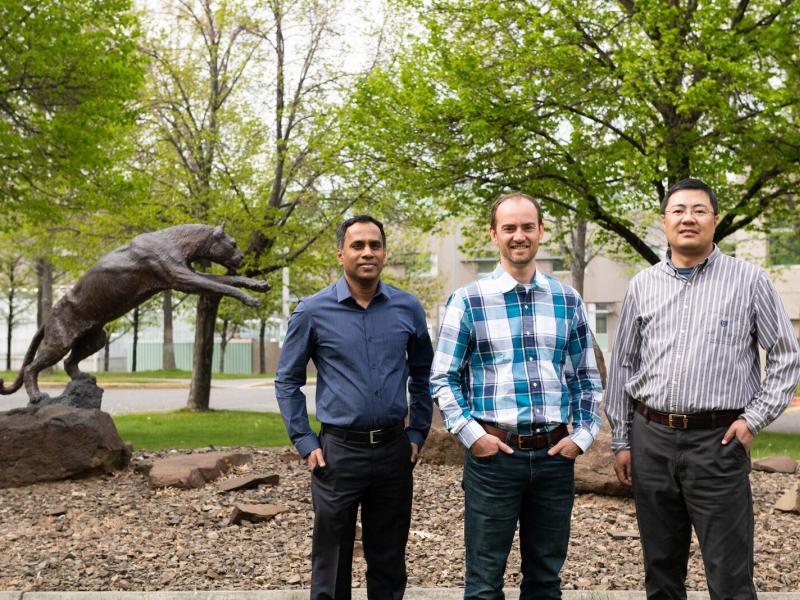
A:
[(342, 229), (503, 197), (691, 184)]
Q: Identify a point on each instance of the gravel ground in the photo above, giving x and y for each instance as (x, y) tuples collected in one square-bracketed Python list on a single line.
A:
[(118, 534)]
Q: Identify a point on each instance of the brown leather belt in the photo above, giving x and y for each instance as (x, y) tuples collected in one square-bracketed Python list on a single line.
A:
[(373, 438), (537, 441), (705, 420)]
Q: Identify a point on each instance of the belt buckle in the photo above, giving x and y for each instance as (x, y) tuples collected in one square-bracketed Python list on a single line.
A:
[(372, 440), (684, 425)]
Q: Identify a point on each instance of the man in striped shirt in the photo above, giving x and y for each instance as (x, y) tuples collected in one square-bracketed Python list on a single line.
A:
[(685, 398), (514, 364)]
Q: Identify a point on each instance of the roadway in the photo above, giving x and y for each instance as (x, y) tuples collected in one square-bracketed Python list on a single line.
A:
[(247, 394)]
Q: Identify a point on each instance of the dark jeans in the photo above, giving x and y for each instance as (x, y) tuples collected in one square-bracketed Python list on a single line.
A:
[(685, 478), (529, 487), (380, 480)]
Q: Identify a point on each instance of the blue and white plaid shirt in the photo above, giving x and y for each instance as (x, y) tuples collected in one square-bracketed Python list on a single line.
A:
[(518, 359)]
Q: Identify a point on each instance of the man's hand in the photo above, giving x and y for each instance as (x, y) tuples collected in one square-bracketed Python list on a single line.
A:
[(622, 467), (414, 452), (566, 448), (315, 459), (742, 432), (489, 445)]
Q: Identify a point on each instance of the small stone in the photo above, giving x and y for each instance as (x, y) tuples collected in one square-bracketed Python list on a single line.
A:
[(247, 482), (776, 464), (255, 513), (56, 510), (619, 534), (790, 501)]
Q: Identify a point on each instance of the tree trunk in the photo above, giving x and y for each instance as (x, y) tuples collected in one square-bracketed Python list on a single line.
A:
[(578, 256), (44, 275), (223, 344), (135, 338), (44, 295), (10, 321), (168, 352), (200, 390), (262, 348), (107, 353)]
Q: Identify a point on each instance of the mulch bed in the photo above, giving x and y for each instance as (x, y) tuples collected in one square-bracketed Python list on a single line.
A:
[(118, 534)]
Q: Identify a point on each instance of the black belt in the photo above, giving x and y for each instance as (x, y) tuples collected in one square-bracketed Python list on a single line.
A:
[(537, 441), (704, 420), (373, 437)]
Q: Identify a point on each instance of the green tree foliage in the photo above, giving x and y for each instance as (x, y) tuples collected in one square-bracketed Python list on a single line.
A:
[(69, 71), (594, 106)]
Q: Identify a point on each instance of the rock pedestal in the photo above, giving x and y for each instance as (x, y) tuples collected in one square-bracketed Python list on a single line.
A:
[(55, 442)]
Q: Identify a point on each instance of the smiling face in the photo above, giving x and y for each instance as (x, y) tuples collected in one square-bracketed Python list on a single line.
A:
[(362, 254), (517, 233), (689, 224)]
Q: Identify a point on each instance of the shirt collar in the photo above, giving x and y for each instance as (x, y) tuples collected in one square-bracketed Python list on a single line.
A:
[(506, 282), (343, 290), (669, 267)]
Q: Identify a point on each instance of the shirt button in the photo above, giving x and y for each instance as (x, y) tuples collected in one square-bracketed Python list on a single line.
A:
[(526, 307), (535, 384), (537, 430), (527, 333)]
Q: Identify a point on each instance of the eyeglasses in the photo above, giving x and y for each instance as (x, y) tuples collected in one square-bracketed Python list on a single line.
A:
[(698, 213)]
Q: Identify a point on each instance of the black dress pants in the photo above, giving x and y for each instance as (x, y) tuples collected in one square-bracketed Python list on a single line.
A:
[(684, 478), (379, 478)]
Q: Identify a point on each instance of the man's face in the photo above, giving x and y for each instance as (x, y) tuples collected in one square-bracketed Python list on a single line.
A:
[(689, 222), (363, 253), (517, 231)]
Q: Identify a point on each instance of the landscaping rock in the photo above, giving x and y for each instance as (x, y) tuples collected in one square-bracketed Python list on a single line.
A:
[(194, 470), (247, 482), (594, 471), (442, 448), (776, 464), (790, 501), (255, 513), (619, 534), (56, 442)]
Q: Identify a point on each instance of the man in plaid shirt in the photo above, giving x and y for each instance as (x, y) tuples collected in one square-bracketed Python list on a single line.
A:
[(513, 365)]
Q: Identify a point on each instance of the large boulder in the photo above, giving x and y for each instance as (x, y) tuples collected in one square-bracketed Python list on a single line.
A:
[(55, 442)]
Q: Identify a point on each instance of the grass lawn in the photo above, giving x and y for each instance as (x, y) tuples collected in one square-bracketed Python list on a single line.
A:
[(768, 443), (138, 377), (186, 429)]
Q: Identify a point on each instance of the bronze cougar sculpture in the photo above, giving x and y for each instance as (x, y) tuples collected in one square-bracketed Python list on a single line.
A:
[(123, 279)]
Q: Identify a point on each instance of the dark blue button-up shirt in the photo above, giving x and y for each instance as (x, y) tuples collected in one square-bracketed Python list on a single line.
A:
[(364, 358)]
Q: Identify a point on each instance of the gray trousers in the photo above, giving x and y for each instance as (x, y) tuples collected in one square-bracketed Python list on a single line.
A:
[(684, 478)]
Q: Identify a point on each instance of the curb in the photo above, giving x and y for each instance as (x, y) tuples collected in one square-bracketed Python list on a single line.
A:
[(358, 594)]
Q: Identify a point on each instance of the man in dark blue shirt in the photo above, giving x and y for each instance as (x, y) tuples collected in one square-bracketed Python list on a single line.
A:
[(366, 339)]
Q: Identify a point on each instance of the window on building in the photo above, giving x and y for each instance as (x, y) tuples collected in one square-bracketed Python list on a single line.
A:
[(783, 246)]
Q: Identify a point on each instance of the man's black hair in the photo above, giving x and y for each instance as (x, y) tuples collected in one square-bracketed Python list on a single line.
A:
[(691, 184), (357, 219)]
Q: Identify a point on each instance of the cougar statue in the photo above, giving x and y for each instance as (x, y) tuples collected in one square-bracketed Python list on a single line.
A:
[(123, 279)]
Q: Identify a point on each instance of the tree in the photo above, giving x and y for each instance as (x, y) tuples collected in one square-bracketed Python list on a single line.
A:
[(68, 74), (245, 125), (16, 284), (595, 107)]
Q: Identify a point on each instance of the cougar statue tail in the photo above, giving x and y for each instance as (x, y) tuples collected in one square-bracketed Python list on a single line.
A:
[(37, 339)]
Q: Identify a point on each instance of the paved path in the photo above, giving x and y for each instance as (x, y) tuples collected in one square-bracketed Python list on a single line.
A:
[(245, 394), (411, 594)]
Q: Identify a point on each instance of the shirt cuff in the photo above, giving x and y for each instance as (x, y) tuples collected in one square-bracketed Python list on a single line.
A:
[(415, 437), (307, 444), (471, 433), (582, 438)]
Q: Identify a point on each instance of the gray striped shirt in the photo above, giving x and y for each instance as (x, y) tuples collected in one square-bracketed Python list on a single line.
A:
[(691, 345)]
